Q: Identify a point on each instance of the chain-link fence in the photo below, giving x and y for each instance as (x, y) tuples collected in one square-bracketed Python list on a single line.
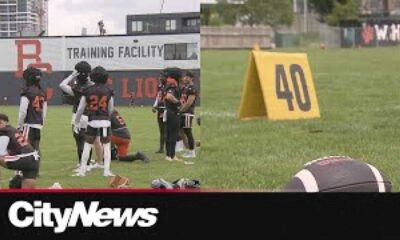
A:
[(329, 36), (367, 34), (325, 36)]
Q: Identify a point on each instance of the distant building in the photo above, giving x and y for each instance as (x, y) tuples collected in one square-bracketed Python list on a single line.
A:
[(380, 7), (23, 18), (175, 23)]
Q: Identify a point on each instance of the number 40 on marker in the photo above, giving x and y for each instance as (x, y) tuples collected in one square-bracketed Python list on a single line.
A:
[(278, 86)]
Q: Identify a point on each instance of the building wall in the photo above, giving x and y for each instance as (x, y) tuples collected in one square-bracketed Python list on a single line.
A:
[(163, 23), (236, 37), (133, 63), (378, 6)]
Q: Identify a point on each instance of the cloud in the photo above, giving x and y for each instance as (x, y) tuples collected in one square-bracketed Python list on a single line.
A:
[(68, 17)]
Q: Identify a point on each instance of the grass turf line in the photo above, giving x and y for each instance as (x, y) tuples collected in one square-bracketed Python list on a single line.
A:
[(359, 99), (59, 153)]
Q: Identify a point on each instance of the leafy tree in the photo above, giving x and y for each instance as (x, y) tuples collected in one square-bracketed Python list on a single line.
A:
[(323, 8), (205, 15), (268, 12), (250, 12), (346, 11), (332, 11), (219, 14), (228, 12)]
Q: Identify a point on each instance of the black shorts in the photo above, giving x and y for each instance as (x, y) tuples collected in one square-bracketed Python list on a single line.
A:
[(160, 113), (31, 134), (186, 120), (80, 134), (27, 165), (101, 132)]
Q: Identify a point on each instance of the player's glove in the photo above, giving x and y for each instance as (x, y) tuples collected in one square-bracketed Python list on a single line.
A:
[(76, 128), (154, 110), (74, 74), (119, 182)]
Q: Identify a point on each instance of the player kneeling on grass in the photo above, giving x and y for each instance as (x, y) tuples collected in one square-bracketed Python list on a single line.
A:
[(17, 154), (121, 138), (99, 102), (33, 107)]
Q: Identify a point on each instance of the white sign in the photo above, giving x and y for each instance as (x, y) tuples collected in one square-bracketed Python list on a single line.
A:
[(113, 52)]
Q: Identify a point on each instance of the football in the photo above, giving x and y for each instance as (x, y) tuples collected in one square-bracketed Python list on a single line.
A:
[(338, 174)]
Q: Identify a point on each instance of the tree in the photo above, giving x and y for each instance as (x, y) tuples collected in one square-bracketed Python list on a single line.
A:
[(219, 14), (333, 11), (346, 11), (268, 12), (228, 11), (323, 8), (205, 14), (253, 12)]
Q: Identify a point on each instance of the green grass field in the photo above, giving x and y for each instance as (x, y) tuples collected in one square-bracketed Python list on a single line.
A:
[(358, 92), (359, 100), (59, 154)]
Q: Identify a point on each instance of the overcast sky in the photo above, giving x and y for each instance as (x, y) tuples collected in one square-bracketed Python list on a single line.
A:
[(68, 17)]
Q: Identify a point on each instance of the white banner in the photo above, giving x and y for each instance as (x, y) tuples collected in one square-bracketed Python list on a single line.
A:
[(115, 53)]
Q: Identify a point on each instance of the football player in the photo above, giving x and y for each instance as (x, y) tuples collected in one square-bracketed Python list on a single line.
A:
[(17, 154), (33, 107), (74, 85), (121, 139), (99, 101), (159, 107), (172, 116), (188, 101)]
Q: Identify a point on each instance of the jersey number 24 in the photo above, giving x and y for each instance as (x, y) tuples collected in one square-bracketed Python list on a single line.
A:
[(96, 102)]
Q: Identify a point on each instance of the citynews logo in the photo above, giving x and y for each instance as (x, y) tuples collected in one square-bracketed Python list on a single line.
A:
[(41, 214)]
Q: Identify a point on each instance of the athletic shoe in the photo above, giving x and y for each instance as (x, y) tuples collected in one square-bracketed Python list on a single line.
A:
[(143, 157), (189, 154), (177, 159), (108, 174), (56, 185), (160, 183), (79, 174), (96, 165), (179, 146), (168, 159)]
